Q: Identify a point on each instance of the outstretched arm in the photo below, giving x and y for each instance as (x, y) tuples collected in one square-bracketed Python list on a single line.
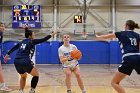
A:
[(105, 37), (37, 41), (10, 51)]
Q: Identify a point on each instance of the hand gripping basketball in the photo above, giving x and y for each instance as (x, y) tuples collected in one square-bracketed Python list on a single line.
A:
[(76, 54)]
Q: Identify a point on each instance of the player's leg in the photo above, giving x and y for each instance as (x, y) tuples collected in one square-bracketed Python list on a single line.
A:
[(116, 82), (79, 79), (125, 69), (22, 82), (1, 74), (19, 65), (68, 74), (34, 72), (3, 86), (28, 67)]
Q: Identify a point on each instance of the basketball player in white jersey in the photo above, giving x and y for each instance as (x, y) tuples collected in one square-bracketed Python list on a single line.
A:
[(69, 65)]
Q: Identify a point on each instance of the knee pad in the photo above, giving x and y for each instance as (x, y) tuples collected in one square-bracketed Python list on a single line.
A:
[(34, 81)]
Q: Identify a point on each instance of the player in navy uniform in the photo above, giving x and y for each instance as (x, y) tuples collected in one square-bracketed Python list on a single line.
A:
[(2, 83), (129, 42), (22, 62)]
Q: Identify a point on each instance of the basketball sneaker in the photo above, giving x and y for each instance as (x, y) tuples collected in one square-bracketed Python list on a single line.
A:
[(83, 91), (69, 91), (21, 91), (32, 91), (4, 87)]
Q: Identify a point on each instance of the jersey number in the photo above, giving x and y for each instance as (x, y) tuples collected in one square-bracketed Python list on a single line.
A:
[(23, 46), (133, 41)]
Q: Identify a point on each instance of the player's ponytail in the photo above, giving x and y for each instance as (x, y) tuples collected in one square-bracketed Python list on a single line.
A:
[(28, 33), (132, 25), (137, 26)]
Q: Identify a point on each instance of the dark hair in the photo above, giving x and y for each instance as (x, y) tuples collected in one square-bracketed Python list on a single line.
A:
[(1, 23), (28, 33), (132, 25)]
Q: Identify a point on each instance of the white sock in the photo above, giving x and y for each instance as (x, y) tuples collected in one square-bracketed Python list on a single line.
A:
[(2, 84)]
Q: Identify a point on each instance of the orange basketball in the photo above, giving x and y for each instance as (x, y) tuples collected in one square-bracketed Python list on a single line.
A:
[(76, 54)]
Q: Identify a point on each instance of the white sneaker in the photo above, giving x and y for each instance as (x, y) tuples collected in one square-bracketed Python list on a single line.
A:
[(83, 91), (5, 88), (21, 91), (32, 91)]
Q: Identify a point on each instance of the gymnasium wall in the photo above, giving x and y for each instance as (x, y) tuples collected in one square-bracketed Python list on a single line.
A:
[(94, 52), (99, 13)]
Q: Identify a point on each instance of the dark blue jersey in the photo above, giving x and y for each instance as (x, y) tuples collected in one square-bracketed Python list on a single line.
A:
[(129, 41), (26, 47), (1, 36)]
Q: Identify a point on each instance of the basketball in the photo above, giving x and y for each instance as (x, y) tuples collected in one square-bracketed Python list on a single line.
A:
[(76, 54)]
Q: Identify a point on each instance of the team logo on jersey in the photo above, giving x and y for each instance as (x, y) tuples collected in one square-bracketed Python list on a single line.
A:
[(67, 54), (23, 46)]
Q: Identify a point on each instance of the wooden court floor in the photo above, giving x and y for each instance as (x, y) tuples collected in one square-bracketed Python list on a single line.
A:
[(96, 79)]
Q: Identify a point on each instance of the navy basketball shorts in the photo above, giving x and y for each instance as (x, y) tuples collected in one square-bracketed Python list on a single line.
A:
[(129, 63), (23, 65)]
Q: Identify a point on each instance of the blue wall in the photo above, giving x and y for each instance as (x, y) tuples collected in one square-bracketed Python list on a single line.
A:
[(43, 53), (93, 52)]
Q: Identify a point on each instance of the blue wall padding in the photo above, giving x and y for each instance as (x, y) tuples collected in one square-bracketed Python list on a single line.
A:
[(43, 53), (54, 53), (115, 53), (93, 52)]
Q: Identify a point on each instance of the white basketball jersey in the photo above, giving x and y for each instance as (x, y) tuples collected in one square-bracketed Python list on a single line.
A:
[(65, 51)]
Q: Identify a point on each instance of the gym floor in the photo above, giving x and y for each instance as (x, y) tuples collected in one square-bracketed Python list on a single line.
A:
[(96, 79)]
